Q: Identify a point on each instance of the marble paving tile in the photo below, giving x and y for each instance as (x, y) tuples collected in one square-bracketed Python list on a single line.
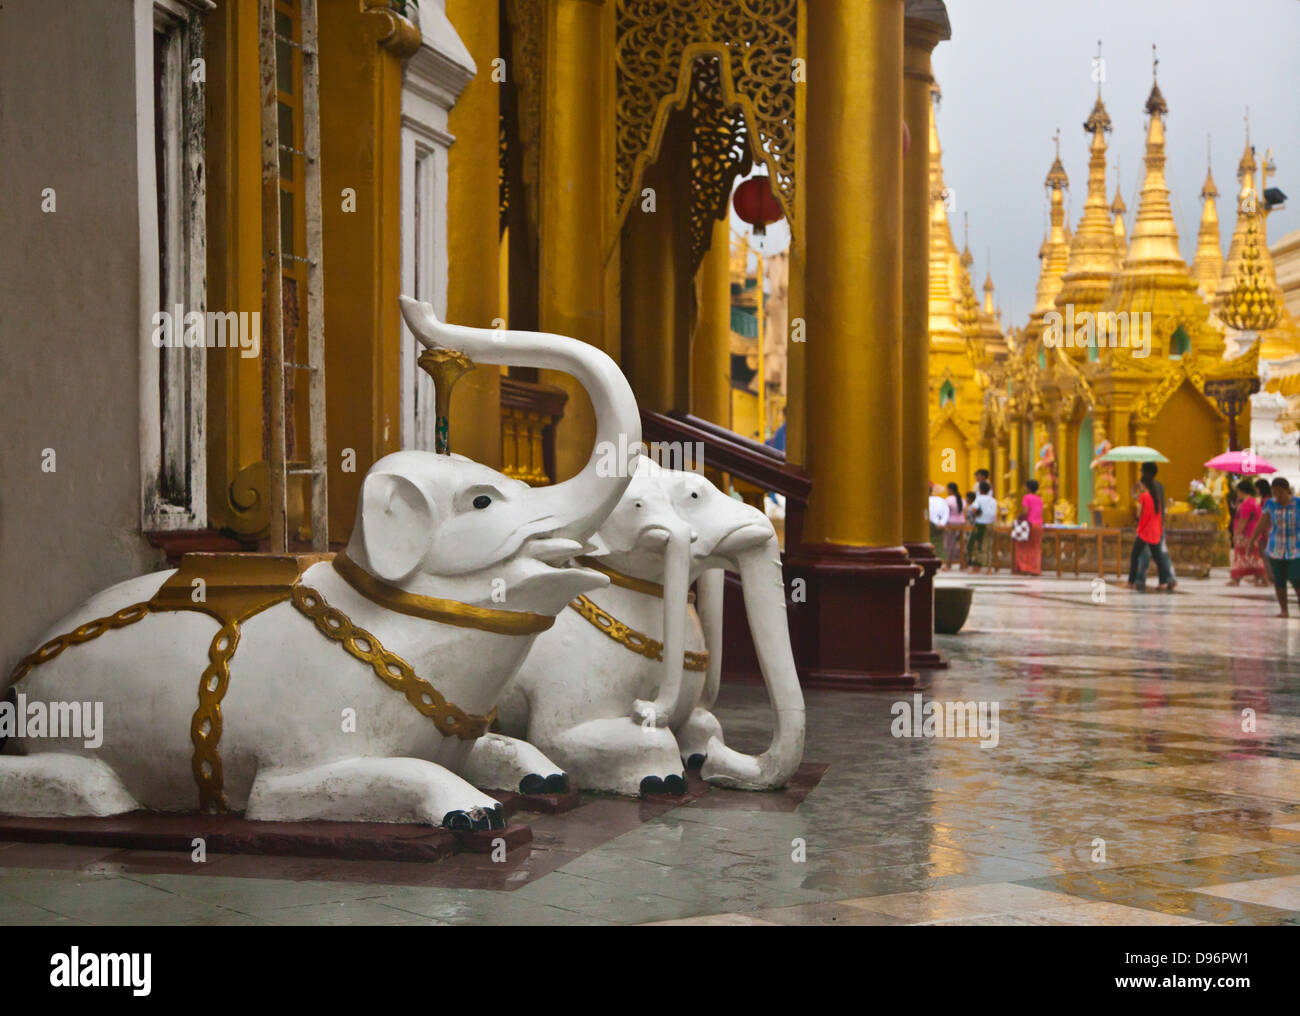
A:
[(1282, 892)]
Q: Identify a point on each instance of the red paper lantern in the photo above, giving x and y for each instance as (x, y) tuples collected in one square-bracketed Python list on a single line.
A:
[(755, 203)]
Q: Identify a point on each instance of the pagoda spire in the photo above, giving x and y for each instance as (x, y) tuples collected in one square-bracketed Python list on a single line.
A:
[(1247, 207), (1207, 266), (944, 329), (1055, 252), (1154, 278), (1093, 256)]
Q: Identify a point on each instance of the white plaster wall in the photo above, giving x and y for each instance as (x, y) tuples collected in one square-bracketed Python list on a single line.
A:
[(69, 311)]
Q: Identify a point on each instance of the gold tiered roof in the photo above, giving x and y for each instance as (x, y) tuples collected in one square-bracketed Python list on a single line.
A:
[(1249, 288), (1093, 257), (1154, 277), (1207, 265), (1251, 304)]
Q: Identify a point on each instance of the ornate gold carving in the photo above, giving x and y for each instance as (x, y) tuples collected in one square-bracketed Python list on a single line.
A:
[(450, 719), (657, 41), (719, 151), (84, 633), (629, 638), (462, 615)]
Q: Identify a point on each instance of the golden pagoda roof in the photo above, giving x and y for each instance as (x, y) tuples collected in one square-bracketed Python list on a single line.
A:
[(1154, 278), (1093, 256), (1207, 265)]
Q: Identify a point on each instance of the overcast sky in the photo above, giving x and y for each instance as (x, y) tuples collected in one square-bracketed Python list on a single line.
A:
[(1016, 70)]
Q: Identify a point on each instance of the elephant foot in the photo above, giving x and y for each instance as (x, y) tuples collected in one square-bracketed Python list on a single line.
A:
[(475, 819), (501, 762), (655, 785), (696, 760), (555, 783)]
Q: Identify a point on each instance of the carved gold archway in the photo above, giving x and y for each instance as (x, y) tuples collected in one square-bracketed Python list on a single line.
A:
[(754, 46)]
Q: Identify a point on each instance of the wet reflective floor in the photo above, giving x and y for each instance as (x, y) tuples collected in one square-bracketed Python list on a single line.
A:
[(1129, 759)]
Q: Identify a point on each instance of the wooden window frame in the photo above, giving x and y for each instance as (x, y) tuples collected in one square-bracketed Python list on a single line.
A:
[(173, 381)]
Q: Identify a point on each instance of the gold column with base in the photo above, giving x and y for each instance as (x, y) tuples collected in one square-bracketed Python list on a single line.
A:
[(854, 626), (573, 195), (919, 39)]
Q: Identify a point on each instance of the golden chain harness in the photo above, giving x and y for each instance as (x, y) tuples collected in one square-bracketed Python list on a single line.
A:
[(631, 639), (206, 724)]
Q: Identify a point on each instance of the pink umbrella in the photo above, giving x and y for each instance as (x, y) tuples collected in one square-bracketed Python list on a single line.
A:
[(1245, 463)]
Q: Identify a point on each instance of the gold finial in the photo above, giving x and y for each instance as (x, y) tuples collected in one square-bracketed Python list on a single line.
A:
[(1209, 190), (1156, 101), (446, 367)]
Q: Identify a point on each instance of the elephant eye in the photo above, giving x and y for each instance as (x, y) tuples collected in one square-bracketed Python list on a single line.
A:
[(482, 501)]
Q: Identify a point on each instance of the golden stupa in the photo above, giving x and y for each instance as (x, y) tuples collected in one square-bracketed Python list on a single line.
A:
[(1207, 265)]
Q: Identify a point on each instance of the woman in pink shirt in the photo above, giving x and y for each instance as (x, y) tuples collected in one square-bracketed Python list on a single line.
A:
[(1029, 553), (1246, 558)]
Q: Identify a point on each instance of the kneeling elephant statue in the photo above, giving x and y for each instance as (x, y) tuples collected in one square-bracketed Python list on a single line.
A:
[(357, 688), (619, 691)]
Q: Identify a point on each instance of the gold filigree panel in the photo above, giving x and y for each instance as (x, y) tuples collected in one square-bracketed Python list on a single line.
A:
[(719, 151), (656, 44)]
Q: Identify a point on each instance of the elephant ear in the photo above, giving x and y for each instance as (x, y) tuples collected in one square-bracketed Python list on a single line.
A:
[(396, 524)]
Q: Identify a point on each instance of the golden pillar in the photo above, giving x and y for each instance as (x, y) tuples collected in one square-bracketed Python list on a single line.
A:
[(711, 345), (576, 174), (852, 553), (473, 222), (657, 285), (854, 289), (919, 39), (1015, 465)]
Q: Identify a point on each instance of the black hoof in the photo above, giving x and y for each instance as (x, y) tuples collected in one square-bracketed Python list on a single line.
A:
[(557, 783), (497, 817), (696, 761), (675, 785), (532, 784), (458, 821), (651, 785)]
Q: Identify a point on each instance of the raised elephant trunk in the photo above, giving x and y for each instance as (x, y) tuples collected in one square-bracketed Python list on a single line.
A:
[(672, 705), (764, 588), (580, 504)]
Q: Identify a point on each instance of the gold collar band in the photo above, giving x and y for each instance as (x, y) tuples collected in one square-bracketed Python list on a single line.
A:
[(629, 581), (463, 615)]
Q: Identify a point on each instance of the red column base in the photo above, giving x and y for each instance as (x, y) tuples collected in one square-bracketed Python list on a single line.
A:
[(923, 653), (853, 620)]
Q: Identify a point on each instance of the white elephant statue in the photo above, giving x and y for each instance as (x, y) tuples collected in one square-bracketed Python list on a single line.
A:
[(359, 688), (619, 691)]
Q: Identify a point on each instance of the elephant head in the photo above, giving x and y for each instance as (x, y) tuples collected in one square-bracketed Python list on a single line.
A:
[(443, 526), (678, 527)]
